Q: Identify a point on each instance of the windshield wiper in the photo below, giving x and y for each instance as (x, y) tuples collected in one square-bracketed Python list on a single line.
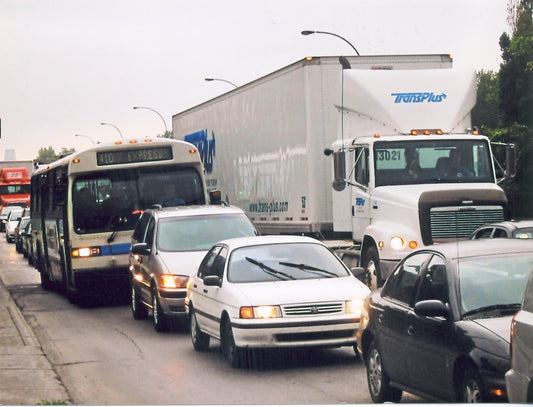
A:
[(305, 267), (495, 307), (270, 270)]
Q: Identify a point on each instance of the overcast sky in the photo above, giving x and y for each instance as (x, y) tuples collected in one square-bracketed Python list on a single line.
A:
[(69, 65)]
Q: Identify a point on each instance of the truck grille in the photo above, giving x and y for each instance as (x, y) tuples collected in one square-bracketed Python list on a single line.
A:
[(460, 222), (313, 309)]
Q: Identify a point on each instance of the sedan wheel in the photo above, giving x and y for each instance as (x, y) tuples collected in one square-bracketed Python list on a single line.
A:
[(200, 340), (471, 387), (378, 381), (231, 352)]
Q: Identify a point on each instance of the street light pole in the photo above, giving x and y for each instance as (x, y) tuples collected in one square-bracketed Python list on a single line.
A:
[(156, 112), (308, 32), (112, 125), (222, 80), (81, 135)]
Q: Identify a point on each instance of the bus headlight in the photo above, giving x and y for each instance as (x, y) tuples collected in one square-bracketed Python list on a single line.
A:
[(85, 252)]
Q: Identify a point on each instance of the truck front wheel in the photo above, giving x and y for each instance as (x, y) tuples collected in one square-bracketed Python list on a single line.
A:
[(371, 265)]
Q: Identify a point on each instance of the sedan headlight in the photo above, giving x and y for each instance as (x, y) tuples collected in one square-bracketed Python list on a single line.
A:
[(260, 312), (354, 307)]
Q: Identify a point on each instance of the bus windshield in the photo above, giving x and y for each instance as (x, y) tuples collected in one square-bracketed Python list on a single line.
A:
[(113, 200), (432, 161)]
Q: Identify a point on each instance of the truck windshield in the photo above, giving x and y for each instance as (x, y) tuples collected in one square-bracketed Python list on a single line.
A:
[(432, 161)]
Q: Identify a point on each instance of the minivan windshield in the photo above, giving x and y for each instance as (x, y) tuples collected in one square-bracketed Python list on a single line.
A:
[(199, 233)]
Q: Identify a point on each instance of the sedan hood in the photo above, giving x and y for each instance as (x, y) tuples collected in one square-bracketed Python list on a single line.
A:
[(303, 291), (182, 263), (500, 326)]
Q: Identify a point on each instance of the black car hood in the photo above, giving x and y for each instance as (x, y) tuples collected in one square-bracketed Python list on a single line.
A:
[(500, 326)]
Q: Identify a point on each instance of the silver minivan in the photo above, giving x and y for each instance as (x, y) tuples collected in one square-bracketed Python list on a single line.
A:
[(168, 245), (519, 379)]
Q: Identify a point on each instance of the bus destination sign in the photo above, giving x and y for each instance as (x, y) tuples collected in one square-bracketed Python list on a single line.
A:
[(139, 155)]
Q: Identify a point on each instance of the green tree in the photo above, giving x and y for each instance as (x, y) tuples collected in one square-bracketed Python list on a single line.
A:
[(516, 102), (486, 112), (46, 155), (516, 70)]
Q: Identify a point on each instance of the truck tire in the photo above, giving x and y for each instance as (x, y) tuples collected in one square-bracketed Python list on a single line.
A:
[(371, 265)]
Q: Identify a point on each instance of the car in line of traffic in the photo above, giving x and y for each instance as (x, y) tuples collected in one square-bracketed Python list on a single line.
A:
[(276, 292), (516, 229), (12, 221), (519, 379), (168, 245), (440, 326)]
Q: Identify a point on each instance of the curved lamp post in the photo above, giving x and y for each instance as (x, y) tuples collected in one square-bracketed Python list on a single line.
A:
[(222, 80), (308, 32), (81, 135), (112, 125), (156, 112)]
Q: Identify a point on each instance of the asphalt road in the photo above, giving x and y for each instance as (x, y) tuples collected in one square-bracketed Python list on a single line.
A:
[(103, 356)]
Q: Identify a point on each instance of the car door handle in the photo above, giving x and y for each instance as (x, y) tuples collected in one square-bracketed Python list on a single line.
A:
[(205, 291), (380, 318), (410, 330)]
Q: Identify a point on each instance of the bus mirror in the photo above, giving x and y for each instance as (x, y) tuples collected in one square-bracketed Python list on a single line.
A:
[(510, 161), (215, 197), (339, 170)]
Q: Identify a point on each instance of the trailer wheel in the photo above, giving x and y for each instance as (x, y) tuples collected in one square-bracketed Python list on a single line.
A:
[(371, 265)]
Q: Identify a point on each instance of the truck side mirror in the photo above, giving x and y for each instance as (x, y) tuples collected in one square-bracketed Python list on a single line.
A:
[(339, 170), (215, 197), (510, 161)]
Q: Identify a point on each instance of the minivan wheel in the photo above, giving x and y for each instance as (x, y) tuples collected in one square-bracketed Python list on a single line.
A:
[(378, 381), (159, 318), (138, 308)]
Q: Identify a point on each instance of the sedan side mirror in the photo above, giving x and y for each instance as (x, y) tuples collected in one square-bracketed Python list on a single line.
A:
[(432, 308), (213, 281)]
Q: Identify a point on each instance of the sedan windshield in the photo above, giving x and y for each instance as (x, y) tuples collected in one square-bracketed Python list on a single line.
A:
[(494, 283), (288, 261)]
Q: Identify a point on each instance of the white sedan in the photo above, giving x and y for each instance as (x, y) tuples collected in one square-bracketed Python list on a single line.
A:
[(273, 292)]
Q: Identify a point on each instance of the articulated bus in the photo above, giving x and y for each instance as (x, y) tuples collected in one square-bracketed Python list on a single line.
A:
[(84, 208)]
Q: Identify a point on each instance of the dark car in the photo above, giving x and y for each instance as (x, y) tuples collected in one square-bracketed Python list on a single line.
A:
[(27, 243), (517, 229), (519, 379), (440, 325), (19, 232)]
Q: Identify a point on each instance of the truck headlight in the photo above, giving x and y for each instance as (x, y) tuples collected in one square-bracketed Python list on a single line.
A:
[(397, 243)]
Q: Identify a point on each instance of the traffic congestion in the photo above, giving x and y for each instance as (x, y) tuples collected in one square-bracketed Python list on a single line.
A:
[(439, 328)]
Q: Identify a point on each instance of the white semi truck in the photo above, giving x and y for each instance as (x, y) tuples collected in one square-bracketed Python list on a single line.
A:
[(407, 169)]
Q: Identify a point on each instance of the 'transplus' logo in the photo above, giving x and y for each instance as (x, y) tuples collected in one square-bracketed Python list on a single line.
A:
[(418, 97)]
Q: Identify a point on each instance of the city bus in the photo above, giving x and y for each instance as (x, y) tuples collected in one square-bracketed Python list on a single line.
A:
[(84, 208)]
